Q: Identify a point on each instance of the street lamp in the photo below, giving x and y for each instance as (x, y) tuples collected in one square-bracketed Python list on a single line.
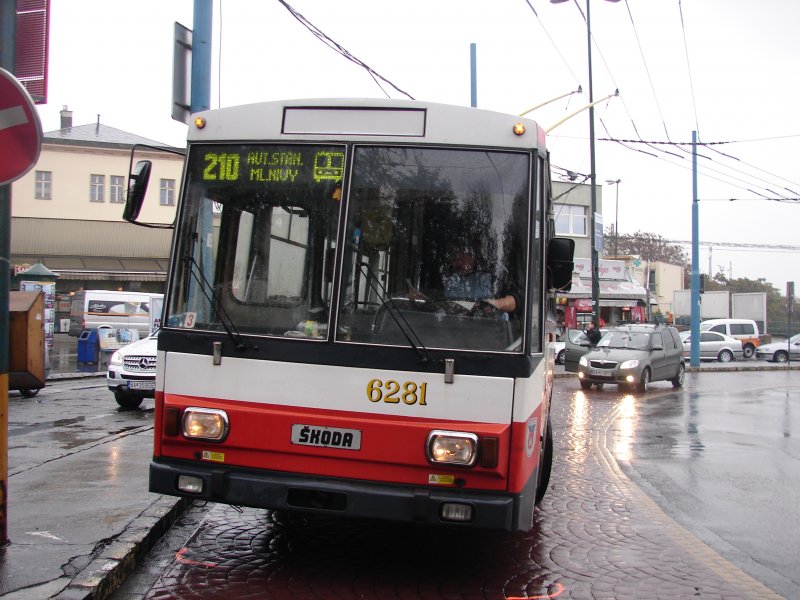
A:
[(616, 215), (594, 258)]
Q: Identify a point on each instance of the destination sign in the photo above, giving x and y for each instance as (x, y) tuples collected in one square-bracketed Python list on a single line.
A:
[(272, 164)]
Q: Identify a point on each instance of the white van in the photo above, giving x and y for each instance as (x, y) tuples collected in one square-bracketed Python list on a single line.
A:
[(119, 310), (741, 329)]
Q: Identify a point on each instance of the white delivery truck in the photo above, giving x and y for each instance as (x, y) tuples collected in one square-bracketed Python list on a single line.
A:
[(119, 310)]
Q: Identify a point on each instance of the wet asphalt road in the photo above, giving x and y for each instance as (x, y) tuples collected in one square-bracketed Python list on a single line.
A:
[(77, 468), (669, 494), (723, 460)]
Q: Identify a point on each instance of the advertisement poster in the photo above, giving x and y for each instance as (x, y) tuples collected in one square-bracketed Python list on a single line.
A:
[(49, 289), (156, 308)]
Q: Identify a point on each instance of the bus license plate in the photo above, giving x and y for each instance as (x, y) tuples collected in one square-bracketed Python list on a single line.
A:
[(326, 437), (601, 372), (141, 385)]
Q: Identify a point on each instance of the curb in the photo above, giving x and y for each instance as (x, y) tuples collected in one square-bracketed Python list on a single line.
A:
[(76, 375), (712, 369), (739, 368), (122, 554)]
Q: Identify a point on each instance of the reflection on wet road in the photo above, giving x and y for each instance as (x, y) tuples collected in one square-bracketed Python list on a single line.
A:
[(623, 462)]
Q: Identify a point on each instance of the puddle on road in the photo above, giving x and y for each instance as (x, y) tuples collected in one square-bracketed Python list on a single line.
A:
[(33, 427)]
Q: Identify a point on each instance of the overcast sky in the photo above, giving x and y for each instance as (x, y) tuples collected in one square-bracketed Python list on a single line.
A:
[(727, 69)]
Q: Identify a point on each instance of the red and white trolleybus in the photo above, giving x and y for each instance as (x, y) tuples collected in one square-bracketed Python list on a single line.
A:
[(358, 314)]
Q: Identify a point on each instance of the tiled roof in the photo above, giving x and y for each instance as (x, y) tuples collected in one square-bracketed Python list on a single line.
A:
[(99, 135)]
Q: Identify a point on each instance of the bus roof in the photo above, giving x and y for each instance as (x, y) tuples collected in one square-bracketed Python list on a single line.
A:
[(366, 120)]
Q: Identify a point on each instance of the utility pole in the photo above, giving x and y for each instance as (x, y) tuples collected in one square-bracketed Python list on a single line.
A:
[(789, 311), (473, 75), (694, 359), (201, 55), (615, 182)]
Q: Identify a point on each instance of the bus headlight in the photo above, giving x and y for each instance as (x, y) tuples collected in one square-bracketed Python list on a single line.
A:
[(452, 448), (629, 364), (205, 424)]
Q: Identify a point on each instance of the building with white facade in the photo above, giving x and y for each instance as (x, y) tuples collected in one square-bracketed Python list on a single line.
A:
[(67, 211)]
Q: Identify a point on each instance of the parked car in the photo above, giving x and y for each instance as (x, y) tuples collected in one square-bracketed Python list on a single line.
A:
[(560, 350), (779, 351), (631, 356), (132, 372), (741, 329), (713, 346)]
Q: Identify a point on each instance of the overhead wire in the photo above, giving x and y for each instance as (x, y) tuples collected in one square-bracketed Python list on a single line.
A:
[(710, 146), (647, 69), (553, 43), (338, 48), (328, 41), (660, 148), (688, 67)]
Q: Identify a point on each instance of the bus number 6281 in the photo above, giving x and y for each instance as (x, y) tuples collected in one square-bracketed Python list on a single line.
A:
[(393, 392)]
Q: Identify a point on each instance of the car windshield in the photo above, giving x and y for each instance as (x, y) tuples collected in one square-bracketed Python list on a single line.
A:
[(625, 339)]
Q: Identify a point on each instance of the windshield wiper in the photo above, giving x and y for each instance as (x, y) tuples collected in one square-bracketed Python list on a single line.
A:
[(208, 291), (397, 316)]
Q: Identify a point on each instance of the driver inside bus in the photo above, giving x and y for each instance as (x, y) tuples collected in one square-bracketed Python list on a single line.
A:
[(465, 282)]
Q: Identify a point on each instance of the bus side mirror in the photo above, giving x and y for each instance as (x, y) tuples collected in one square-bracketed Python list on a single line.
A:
[(137, 188), (560, 252)]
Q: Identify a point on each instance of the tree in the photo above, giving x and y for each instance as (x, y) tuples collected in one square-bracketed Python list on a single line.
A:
[(647, 246)]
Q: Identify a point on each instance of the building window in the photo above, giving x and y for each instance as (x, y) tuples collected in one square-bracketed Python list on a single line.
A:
[(44, 181), (571, 220), (117, 189), (97, 191), (652, 281), (167, 192)]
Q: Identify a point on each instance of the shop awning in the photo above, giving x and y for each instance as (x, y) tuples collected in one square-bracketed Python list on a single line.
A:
[(91, 250), (101, 269), (612, 293)]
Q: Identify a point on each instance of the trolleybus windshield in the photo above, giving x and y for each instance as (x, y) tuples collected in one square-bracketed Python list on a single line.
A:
[(432, 238)]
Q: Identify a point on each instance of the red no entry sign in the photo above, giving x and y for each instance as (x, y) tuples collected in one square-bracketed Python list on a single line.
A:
[(20, 130)]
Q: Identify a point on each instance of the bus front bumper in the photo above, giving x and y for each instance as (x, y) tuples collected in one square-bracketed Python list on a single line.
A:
[(338, 497)]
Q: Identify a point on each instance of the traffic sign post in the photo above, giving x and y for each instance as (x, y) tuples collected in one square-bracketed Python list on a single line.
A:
[(20, 130), (20, 144)]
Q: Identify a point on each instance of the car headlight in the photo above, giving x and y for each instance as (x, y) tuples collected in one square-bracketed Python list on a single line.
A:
[(205, 424), (452, 448), (584, 362), (116, 359), (629, 364)]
